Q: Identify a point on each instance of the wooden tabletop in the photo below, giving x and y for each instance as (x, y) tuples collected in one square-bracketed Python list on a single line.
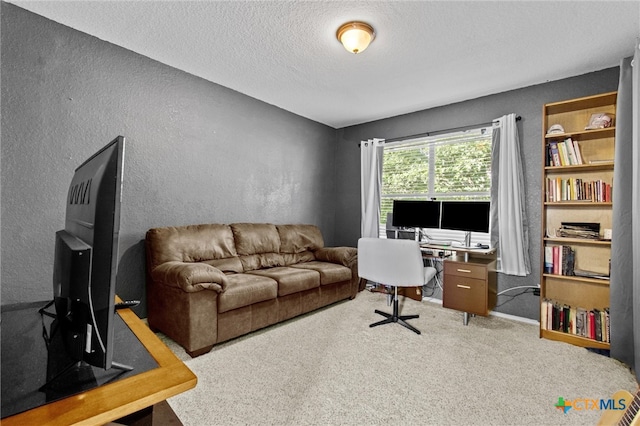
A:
[(118, 399)]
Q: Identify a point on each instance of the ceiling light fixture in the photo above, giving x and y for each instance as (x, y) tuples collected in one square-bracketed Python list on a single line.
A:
[(355, 36)]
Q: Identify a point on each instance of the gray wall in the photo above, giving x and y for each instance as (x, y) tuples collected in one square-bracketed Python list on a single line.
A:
[(527, 103), (196, 152)]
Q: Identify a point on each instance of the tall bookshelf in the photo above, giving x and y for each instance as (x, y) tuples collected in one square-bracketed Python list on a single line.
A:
[(568, 197)]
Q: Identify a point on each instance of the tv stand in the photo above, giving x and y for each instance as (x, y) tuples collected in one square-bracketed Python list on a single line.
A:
[(64, 369), (158, 374), (121, 367)]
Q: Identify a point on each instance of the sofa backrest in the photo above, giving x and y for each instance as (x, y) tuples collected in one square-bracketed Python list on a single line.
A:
[(236, 247), (191, 243), (258, 245)]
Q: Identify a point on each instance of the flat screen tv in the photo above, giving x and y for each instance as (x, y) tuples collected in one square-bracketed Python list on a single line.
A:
[(86, 257), (468, 216), (416, 214)]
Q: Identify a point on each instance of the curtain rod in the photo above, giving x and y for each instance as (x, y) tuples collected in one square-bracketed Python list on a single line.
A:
[(437, 132)]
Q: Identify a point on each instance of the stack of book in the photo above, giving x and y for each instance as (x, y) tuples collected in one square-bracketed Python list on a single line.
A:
[(559, 260), (590, 231), (564, 153), (592, 324), (573, 189)]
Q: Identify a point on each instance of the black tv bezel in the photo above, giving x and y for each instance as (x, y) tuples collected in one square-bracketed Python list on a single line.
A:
[(92, 224)]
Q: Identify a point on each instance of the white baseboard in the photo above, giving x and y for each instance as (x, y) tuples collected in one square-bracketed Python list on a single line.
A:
[(515, 318), (495, 314)]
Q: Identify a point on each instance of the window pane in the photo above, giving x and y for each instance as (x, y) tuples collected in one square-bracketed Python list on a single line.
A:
[(405, 171), (452, 166), (463, 168)]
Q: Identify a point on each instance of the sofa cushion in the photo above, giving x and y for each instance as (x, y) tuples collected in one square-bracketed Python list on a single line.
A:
[(329, 272), (291, 280), (191, 243), (246, 289), (261, 261), (255, 238), (228, 265), (293, 258), (299, 238)]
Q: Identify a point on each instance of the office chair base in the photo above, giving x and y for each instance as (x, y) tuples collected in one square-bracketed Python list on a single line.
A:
[(394, 317)]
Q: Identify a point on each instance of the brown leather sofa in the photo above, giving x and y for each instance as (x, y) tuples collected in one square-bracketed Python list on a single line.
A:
[(210, 283)]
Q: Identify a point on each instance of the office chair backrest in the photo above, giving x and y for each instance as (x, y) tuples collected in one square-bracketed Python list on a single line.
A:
[(392, 262)]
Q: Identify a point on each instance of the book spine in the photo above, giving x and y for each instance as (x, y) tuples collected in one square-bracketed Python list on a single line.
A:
[(548, 260), (556, 260), (564, 159), (576, 148), (555, 154), (571, 153)]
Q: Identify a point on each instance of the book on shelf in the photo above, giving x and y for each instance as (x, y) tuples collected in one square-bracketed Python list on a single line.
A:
[(560, 260), (577, 189), (564, 153), (548, 260), (590, 274), (576, 148), (575, 320), (584, 230)]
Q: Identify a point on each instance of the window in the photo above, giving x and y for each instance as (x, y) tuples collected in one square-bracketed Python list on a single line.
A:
[(448, 166)]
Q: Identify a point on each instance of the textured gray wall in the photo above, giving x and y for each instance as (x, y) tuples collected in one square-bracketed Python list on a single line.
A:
[(527, 103), (196, 152)]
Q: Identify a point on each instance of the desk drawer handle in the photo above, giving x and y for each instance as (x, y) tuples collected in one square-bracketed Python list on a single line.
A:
[(464, 286), (468, 271)]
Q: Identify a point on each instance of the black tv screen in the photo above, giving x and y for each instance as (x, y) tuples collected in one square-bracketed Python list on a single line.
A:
[(416, 214), (468, 216), (86, 257)]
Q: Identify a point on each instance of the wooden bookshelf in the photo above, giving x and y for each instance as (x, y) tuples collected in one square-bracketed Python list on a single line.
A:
[(559, 204)]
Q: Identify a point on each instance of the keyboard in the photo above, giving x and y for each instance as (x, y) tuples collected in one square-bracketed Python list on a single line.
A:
[(439, 243)]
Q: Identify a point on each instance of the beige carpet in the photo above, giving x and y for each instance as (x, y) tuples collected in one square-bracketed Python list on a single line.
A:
[(330, 368)]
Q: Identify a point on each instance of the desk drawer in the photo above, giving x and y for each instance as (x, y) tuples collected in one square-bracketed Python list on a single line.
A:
[(464, 269), (465, 294)]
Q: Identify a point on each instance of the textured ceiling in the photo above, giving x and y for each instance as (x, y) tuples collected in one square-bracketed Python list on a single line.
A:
[(425, 54)]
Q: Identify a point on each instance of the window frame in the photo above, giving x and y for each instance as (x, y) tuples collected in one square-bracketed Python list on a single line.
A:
[(432, 142)]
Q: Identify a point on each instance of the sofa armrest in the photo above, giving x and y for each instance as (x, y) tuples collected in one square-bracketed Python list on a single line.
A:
[(346, 256), (341, 255), (190, 277)]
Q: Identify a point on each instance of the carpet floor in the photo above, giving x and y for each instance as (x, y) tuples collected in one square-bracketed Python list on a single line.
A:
[(330, 368)]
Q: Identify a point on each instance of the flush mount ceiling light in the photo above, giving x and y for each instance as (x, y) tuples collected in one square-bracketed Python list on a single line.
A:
[(355, 36)]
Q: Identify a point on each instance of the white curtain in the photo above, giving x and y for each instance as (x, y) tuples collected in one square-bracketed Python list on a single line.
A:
[(370, 186), (509, 227), (624, 287)]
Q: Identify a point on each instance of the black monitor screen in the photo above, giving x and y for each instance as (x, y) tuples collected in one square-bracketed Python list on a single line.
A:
[(469, 216), (416, 214)]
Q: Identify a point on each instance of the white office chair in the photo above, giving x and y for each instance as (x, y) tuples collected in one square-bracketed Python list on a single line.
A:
[(396, 263)]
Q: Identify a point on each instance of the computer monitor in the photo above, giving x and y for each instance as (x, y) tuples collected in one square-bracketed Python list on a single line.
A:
[(468, 216), (86, 258), (416, 214)]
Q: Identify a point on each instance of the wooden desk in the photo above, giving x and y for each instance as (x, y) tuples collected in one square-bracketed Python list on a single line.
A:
[(118, 399), (469, 280), (470, 286)]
